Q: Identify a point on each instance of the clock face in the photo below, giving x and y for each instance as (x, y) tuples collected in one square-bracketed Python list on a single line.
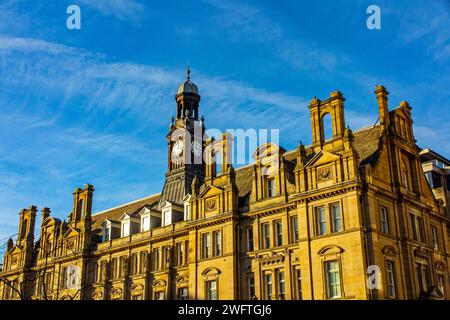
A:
[(196, 148), (177, 149)]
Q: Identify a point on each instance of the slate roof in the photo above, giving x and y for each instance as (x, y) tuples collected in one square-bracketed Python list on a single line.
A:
[(367, 141), (116, 213)]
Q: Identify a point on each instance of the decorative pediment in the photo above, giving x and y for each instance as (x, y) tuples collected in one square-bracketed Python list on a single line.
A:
[(71, 232), (125, 216), (182, 279), (211, 272), (389, 251), (321, 158), (331, 249), (210, 191), (137, 287), (116, 291), (159, 283)]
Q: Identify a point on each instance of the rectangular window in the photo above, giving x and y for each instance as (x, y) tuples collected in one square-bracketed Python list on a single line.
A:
[(390, 277), (299, 284), (206, 245), (249, 239), (125, 229), (441, 283), (333, 279), (122, 266), (211, 290), (268, 286), (167, 218), (106, 234), (281, 285), (413, 226), (421, 229), (321, 220), (103, 270), (294, 226), (279, 233), (179, 251), (423, 277), (134, 264), (270, 188), (159, 295), (63, 284), (183, 293), (156, 259), (145, 224), (434, 238), (96, 272), (217, 243), (165, 257), (114, 267), (143, 262), (136, 297), (251, 287), (384, 220), (336, 217), (266, 235)]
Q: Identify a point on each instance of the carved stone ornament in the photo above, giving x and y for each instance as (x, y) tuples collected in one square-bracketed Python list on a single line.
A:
[(210, 205), (324, 174)]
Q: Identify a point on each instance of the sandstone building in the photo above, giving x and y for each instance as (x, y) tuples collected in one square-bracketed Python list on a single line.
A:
[(308, 228)]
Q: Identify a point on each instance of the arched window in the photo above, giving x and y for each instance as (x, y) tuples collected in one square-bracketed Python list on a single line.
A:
[(327, 127), (81, 209), (23, 231), (218, 157)]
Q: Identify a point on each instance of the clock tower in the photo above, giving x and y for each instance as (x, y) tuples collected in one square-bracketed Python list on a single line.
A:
[(184, 144)]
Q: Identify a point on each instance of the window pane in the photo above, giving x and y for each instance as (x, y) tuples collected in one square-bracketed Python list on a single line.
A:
[(279, 230), (268, 282), (295, 228), (299, 285), (336, 216), (390, 275), (211, 290), (266, 235), (281, 285), (321, 220), (250, 239), (384, 220), (333, 279)]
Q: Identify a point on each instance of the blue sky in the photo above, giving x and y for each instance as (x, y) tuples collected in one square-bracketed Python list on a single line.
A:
[(93, 105)]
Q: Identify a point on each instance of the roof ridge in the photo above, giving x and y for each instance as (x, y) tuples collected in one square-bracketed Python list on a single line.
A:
[(126, 204)]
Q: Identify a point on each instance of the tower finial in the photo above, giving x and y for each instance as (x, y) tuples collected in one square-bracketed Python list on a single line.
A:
[(188, 73)]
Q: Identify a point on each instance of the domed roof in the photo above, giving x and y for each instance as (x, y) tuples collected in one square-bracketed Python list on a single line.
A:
[(188, 86)]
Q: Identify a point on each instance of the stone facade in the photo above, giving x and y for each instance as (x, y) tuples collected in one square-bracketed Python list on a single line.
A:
[(308, 227)]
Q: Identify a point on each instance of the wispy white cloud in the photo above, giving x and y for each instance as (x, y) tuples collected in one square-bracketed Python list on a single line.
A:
[(243, 21), (429, 23), (126, 10)]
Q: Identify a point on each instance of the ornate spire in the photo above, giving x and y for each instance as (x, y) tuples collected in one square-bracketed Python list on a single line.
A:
[(188, 73)]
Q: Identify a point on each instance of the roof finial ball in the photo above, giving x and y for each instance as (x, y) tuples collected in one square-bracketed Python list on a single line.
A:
[(188, 73)]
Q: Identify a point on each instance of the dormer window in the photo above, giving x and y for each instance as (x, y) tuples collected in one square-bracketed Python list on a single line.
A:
[(149, 219), (171, 213), (270, 184), (130, 224), (111, 230), (145, 223), (167, 217), (106, 233), (187, 213), (125, 228)]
